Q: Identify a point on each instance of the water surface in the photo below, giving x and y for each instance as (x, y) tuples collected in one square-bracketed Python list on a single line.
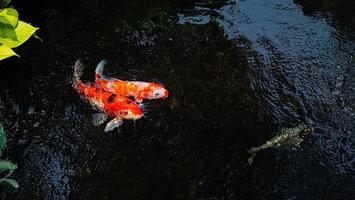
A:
[(237, 71)]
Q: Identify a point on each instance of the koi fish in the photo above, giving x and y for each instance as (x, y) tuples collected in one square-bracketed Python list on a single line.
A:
[(108, 103), (137, 89), (286, 137)]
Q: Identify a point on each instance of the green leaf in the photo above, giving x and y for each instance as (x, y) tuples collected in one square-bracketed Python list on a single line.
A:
[(9, 16), (7, 166), (10, 182), (23, 32), (6, 52), (7, 33), (4, 3), (2, 138)]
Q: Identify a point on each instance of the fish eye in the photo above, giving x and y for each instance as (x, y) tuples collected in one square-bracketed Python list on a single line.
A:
[(126, 112)]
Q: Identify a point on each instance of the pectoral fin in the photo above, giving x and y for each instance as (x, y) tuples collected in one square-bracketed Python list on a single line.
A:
[(138, 99), (98, 118), (116, 122)]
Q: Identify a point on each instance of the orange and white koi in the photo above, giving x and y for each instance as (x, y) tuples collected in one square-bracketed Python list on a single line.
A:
[(137, 89), (110, 104)]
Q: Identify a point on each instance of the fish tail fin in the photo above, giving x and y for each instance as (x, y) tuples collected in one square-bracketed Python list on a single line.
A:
[(251, 159), (78, 71), (253, 151), (99, 69)]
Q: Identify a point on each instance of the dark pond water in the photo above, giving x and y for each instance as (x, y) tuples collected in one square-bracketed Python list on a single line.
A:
[(237, 71)]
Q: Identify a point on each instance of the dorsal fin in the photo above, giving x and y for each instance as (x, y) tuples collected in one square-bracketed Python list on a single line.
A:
[(78, 70), (99, 70)]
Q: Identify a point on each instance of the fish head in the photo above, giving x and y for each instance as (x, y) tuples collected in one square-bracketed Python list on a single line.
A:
[(131, 110), (157, 91), (305, 130)]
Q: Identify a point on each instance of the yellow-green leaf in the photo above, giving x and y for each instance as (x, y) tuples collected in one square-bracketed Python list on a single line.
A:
[(6, 52), (23, 32), (9, 16)]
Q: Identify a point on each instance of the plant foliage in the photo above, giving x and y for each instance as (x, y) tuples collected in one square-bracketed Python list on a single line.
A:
[(6, 166), (4, 3), (2, 139), (13, 32)]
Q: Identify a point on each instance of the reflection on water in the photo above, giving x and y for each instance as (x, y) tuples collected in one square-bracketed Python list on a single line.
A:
[(307, 62), (237, 71)]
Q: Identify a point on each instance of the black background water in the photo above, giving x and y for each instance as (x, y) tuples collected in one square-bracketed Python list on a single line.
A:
[(237, 71)]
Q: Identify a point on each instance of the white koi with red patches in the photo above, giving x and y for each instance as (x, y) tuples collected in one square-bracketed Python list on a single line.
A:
[(138, 89)]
